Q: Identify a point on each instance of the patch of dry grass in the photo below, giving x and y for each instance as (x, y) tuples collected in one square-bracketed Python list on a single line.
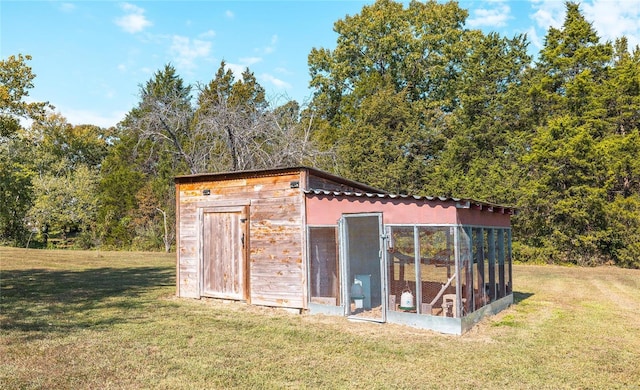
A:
[(74, 319)]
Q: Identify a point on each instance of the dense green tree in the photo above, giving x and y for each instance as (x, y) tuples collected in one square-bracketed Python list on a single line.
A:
[(65, 160), (16, 79), (391, 154), (623, 90), (445, 100), (566, 208), (65, 206), (16, 194), (120, 180), (418, 48), (485, 138), (580, 172), (389, 55)]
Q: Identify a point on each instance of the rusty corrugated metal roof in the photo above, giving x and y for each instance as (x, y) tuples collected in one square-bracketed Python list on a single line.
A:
[(459, 202)]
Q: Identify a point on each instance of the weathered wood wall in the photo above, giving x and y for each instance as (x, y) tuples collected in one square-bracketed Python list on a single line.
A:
[(277, 274)]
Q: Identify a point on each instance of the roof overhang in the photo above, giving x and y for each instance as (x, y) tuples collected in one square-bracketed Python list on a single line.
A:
[(200, 177), (458, 202)]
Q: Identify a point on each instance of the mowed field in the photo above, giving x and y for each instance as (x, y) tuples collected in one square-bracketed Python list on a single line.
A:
[(110, 320)]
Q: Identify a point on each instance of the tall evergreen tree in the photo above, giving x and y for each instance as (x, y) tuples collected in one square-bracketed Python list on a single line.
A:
[(577, 172), (480, 158)]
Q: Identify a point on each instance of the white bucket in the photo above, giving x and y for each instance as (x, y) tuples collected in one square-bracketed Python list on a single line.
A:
[(406, 299)]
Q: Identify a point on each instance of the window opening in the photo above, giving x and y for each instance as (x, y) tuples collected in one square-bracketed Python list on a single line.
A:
[(324, 276)]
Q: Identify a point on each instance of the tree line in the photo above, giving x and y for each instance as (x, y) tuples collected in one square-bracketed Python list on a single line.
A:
[(409, 100)]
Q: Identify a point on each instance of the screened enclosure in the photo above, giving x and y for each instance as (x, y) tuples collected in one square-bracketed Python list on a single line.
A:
[(438, 273), (434, 263), (459, 269)]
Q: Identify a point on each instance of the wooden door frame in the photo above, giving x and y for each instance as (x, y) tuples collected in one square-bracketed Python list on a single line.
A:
[(244, 263)]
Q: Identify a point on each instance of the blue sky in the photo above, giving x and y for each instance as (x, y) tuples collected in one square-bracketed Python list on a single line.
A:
[(90, 57)]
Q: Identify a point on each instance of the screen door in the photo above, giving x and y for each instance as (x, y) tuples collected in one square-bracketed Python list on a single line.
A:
[(361, 249)]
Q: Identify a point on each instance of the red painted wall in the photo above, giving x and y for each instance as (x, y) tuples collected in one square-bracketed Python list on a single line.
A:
[(327, 210)]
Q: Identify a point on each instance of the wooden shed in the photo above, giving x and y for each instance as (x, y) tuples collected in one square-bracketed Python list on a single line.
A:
[(304, 239)]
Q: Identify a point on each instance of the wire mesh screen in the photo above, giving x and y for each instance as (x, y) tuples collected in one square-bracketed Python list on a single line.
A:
[(500, 272), (492, 265), (437, 260), (402, 269), (481, 291), (434, 268), (324, 276), (465, 271), (508, 264)]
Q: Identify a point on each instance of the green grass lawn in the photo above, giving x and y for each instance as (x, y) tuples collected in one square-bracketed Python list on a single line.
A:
[(110, 320)]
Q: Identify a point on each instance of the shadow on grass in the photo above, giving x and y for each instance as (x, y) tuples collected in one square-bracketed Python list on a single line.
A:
[(520, 296), (40, 300)]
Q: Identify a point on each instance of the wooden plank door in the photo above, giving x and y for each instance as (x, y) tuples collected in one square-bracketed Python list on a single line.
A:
[(224, 249)]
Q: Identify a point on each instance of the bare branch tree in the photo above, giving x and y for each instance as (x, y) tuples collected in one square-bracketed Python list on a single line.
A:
[(241, 138), (224, 134), (166, 120)]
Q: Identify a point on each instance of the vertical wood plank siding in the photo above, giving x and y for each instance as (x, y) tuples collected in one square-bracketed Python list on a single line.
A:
[(276, 227), (223, 252)]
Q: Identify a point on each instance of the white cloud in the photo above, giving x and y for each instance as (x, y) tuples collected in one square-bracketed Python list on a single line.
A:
[(236, 69), (272, 45), (186, 51), (611, 19), (128, 7), (207, 34), (275, 81), (495, 15), (534, 38), (614, 18), (107, 91), (283, 70), (549, 13), (229, 14), (248, 61), (83, 117), (67, 7), (245, 63), (134, 21)]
